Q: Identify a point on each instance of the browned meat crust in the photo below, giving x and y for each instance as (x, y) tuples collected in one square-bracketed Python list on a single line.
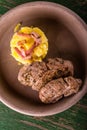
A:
[(56, 89), (39, 73)]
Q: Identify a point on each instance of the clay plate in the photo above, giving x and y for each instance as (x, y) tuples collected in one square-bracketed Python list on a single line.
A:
[(67, 37)]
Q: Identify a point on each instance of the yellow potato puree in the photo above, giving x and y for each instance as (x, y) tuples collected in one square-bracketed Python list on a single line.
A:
[(28, 44)]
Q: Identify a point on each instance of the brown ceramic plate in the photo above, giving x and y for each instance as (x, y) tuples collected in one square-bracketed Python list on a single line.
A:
[(67, 37)]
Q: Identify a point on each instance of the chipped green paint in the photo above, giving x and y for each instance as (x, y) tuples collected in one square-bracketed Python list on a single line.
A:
[(74, 118)]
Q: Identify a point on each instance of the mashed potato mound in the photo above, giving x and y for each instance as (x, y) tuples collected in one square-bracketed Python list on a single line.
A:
[(28, 44)]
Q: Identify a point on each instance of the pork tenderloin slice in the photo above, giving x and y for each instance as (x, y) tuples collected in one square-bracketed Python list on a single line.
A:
[(44, 79), (73, 85), (29, 74), (64, 67), (58, 88), (52, 91), (23, 75)]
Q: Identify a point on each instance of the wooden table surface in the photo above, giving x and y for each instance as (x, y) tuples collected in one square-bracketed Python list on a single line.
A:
[(74, 118)]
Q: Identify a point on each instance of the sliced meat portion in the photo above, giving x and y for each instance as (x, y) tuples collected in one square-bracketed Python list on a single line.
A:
[(40, 73), (57, 68), (54, 63), (45, 78), (73, 85), (23, 75), (56, 89), (29, 74), (52, 91), (53, 79), (69, 68), (63, 67)]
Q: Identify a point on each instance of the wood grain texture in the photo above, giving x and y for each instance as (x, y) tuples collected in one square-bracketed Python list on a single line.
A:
[(74, 118)]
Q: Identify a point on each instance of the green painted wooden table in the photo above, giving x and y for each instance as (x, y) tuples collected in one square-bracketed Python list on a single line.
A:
[(74, 118)]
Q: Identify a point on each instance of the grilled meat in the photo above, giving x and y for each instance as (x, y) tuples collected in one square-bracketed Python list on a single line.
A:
[(29, 74), (40, 73), (63, 67), (58, 88), (73, 85)]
